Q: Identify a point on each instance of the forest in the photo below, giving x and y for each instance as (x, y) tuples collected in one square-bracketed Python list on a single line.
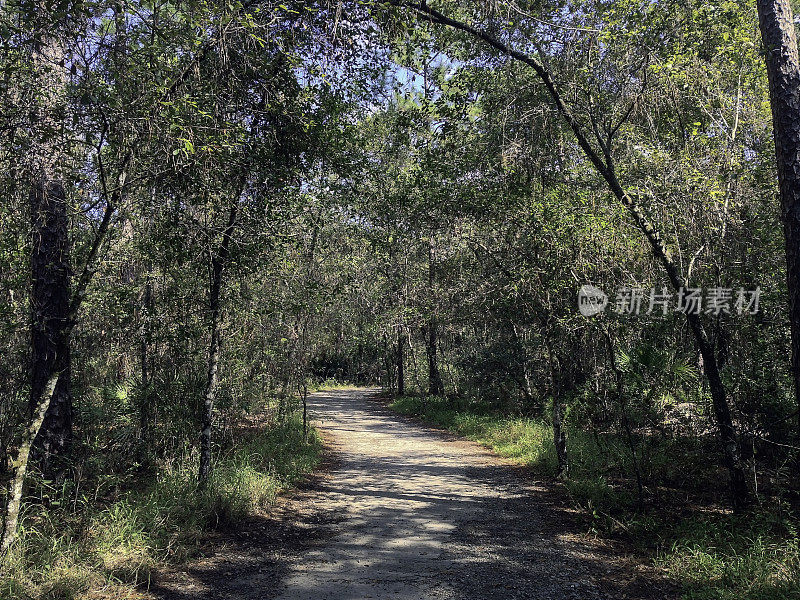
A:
[(539, 255)]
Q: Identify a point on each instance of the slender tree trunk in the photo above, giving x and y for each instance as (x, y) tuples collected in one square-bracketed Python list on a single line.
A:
[(388, 360), (783, 69), (435, 387), (401, 383), (146, 408), (560, 436), (559, 432), (526, 387), (212, 378), (15, 489), (219, 260), (304, 392)]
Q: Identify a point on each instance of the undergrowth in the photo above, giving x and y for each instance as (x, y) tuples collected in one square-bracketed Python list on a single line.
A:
[(77, 543)]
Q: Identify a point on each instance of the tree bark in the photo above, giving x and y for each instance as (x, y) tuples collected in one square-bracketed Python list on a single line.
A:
[(602, 162), (50, 351), (219, 261), (401, 383), (11, 519), (146, 408), (435, 387), (559, 433), (49, 260), (783, 70)]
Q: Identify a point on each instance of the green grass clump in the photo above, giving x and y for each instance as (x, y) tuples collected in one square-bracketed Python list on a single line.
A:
[(64, 552), (755, 556), (526, 441)]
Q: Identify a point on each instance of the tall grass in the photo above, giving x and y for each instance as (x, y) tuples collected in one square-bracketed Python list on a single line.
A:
[(727, 557), (714, 555), (77, 544)]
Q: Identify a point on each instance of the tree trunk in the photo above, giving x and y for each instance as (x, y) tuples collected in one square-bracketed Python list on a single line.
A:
[(525, 386), (146, 408), (50, 301), (731, 455), (388, 360), (218, 262), (560, 437), (304, 393), (559, 433), (11, 519), (435, 387), (213, 376), (401, 384), (50, 298), (783, 69)]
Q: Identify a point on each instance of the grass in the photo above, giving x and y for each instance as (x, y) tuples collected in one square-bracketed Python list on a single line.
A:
[(712, 554), (329, 385), (725, 556), (82, 545)]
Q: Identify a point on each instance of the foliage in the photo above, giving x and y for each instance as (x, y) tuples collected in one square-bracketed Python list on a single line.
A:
[(266, 196)]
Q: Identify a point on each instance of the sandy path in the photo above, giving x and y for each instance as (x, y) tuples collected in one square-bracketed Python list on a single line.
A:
[(411, 513)]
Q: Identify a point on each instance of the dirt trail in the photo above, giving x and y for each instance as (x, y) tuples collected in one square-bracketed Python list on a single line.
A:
[(406, 512)]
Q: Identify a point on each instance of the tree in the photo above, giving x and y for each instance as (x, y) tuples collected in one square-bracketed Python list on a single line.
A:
[(783, 69), (600, 155), (50, 254)]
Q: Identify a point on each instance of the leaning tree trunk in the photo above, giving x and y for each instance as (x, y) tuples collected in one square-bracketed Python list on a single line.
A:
[(783, 69), (219, 260), (21, 463)]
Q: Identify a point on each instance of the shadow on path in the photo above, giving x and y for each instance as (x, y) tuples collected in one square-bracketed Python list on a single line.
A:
[(405, 512)]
